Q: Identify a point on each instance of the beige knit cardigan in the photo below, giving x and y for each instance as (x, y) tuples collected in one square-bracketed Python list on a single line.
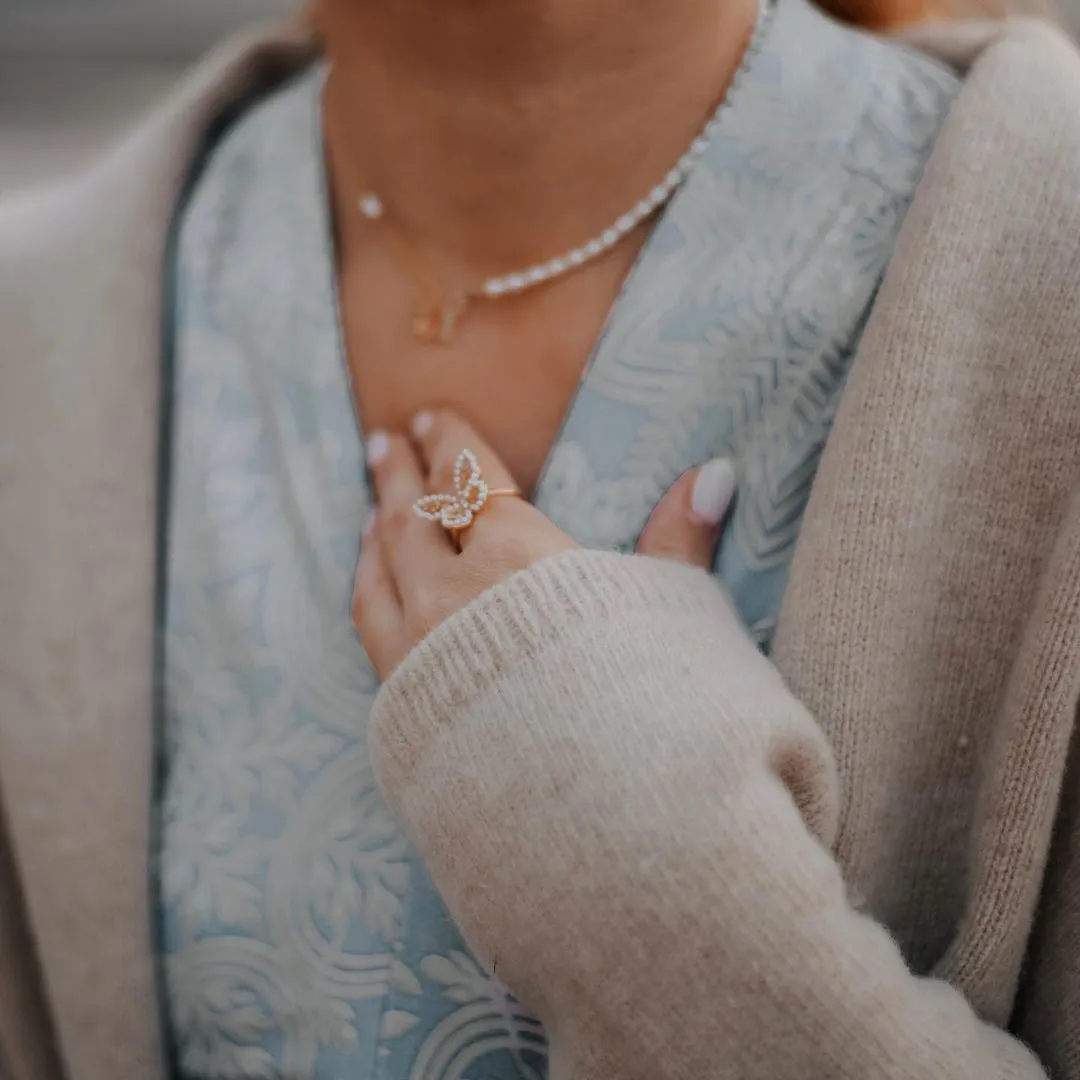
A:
[(859, 861)]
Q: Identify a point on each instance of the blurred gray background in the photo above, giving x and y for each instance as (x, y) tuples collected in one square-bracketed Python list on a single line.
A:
[(74, 72)]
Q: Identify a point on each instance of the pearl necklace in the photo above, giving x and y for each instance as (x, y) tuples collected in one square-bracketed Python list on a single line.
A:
[(435, 323)]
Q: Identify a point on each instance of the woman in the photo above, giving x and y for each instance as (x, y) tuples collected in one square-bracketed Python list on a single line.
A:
[(628, 259)]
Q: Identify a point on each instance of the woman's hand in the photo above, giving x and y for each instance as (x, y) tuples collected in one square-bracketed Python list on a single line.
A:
[(412, 576)]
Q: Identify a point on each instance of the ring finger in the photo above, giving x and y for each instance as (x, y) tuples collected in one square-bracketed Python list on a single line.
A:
[(441, 437)]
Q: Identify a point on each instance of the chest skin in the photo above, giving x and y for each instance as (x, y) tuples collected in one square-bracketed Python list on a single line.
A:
[(511, 368)]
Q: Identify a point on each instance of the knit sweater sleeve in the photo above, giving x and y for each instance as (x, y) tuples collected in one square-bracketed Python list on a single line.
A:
[(631, 816)]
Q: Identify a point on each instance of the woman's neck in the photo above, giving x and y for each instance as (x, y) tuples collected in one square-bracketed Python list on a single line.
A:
[(498, 132)]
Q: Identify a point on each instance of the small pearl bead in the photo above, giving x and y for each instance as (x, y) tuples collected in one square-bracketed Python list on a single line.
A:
[(515, 282), (371, 207), (535, 275), (609, 237), (593, 248), (625, 223), (494, 287), (576, 257)]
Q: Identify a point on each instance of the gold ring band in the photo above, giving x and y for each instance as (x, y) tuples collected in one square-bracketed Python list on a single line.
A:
[(457, 510)]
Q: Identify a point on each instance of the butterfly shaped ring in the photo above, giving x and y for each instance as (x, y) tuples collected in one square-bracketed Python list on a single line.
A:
[(456, 511)]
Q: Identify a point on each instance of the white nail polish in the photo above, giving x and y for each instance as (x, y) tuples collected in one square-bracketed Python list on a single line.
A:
[(713, 488), (378, 446), (422, 424)]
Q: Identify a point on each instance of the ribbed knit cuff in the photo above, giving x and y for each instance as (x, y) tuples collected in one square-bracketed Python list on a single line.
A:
[(509, 625)]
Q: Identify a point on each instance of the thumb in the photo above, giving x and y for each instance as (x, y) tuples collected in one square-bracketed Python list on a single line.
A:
[(686, 522)]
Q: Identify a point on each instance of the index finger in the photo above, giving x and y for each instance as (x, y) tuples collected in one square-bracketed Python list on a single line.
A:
[(411, 545)]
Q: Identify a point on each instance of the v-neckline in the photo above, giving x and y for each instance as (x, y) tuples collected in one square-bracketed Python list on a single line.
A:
[(605, 348), (665, 355)]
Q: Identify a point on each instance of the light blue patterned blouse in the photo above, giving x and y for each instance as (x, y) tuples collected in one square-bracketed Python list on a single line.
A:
[(302, 936)]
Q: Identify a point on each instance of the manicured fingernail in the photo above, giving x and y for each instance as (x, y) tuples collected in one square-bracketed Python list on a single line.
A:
[(713, 488), (422, 424), (378, 446)]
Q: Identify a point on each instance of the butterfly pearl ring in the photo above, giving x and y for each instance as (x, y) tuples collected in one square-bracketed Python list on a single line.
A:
[(457, 511)]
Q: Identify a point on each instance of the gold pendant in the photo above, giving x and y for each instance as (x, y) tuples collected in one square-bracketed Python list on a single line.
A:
[(434, 323)]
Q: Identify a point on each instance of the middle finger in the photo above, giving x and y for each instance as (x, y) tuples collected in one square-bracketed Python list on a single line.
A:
[(440, 438)]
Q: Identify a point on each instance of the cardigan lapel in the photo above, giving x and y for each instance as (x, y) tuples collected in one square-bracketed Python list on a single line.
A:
[(79, 408)]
